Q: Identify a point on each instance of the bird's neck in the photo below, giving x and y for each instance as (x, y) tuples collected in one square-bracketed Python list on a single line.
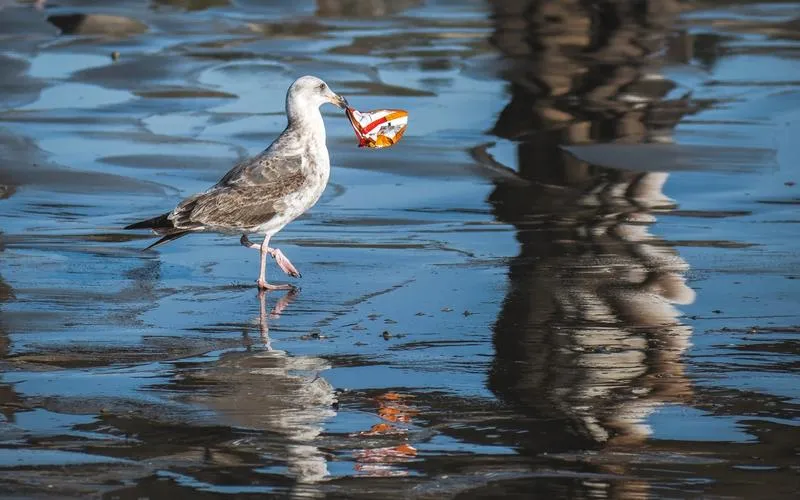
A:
[(306, 118)]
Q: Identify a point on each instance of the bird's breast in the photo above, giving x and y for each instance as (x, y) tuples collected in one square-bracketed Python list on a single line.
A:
[(317, 172)]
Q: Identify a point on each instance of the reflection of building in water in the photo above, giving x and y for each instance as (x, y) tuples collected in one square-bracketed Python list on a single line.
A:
[(588, 342), (270, 391)]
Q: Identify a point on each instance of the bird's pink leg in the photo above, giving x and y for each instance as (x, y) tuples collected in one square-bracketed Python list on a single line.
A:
[(262, 273), (283, 262), (264, 250)]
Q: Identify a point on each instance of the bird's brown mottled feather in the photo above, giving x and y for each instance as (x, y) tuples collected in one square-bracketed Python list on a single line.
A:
[(239, 206)]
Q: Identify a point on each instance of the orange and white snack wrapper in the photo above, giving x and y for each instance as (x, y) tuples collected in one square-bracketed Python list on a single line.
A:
[(379, 128)]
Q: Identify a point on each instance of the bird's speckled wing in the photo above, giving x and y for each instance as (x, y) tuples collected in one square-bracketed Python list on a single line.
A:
[(249, 195)]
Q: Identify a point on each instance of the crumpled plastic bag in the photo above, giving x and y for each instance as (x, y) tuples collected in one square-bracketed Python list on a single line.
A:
[(379, 128)]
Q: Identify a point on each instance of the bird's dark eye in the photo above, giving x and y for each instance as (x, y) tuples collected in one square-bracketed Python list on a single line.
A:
[(322, 86)]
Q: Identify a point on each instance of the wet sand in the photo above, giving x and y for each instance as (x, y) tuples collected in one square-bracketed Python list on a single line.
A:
[(576, 276)]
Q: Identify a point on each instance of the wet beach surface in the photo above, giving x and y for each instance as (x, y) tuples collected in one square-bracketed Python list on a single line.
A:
[(576, 276)]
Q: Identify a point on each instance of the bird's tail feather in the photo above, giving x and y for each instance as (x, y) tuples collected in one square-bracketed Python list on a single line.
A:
[(162, 223)]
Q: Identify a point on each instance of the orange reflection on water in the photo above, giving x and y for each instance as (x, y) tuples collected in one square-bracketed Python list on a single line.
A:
[(384, 460)]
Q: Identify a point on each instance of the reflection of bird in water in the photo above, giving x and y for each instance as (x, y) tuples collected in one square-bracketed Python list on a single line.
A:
[(264, 193), (271, 391), (275, 313)]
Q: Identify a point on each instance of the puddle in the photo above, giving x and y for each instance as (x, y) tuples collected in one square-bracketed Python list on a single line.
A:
[(57, 65), (76, 96)]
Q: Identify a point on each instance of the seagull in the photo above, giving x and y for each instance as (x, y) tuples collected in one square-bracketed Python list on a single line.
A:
[(263, 194)]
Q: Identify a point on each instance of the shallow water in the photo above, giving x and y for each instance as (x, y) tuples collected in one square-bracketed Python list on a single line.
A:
[(577, 275)]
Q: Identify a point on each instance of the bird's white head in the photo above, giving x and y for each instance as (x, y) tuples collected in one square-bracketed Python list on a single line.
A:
[(307, 94)]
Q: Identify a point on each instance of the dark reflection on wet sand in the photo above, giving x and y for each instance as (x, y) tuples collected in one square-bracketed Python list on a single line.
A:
[(574, 278), (589, 316), (588, 341)]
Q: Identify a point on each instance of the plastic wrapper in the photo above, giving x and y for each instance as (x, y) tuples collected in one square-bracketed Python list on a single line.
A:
[(379, 128)]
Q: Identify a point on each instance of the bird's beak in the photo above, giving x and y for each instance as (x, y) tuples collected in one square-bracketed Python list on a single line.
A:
[(339, 101)]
